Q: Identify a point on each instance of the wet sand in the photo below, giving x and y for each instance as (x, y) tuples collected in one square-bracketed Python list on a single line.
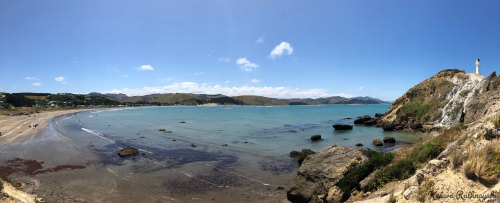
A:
[(43, 162), (17, 127)]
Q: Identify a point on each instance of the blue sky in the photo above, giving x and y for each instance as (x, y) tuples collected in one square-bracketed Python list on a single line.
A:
[(278, 48)]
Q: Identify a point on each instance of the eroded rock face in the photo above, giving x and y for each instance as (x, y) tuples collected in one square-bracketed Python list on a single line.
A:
[(318, 174), (446, 99)]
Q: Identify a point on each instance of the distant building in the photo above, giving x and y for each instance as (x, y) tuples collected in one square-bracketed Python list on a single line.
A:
[(478, 71)]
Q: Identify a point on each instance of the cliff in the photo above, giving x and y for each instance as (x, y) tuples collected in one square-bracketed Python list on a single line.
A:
[(460, 162), (446, 99)]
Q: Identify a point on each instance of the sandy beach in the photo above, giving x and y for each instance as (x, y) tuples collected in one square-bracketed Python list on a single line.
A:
[(14, 128)]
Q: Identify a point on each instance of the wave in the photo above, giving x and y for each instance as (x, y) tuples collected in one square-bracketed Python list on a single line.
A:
[(101, 136)]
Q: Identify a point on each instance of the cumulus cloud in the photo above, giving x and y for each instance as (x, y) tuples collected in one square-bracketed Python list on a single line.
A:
[(146, 67), (61, 79), (255, 81), (195, 88), (224, 59), (260, 40), (30, 78), (36, 84), (284, 48), (246, 65)]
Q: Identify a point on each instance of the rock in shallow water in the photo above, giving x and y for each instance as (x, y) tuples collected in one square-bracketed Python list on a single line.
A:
[(377, 142), (129, 151), (316, 137), (342, 127), (318, 174), (389, 139)]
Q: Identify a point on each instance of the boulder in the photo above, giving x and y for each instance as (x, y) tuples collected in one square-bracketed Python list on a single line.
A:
[(389, 139), (129, 151), (377, 142), (435, 166), (301, 155), (319, 173), (378, 115), (388, 126), (359, 120), (491, 134), (342, 127), (359, 145), (408, 192), (316, 137), (370, 122)]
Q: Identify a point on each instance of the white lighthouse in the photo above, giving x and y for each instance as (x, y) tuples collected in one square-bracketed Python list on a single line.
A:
[(478, 71)]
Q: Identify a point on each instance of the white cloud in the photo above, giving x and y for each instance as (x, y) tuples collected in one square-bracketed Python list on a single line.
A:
[(224, 59), (31, 78), (191, 87), (246, 65), (1, 88), (61, 79), (125, 76), (254, 81), (227, 82), (283, 48), (361, 88), (260, 40), (146, 67), (36, 84)]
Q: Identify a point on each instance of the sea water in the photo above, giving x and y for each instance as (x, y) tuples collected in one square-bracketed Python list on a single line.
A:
[(222, 153)]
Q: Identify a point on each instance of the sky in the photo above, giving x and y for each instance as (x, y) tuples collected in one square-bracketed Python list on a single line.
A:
[(275, 48)]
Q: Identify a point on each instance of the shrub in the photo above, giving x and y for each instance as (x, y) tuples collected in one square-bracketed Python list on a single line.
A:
[(427, 189), (401, 170), (351, 180), (417, 108), (457, 158), (496, 122), (427, 151)]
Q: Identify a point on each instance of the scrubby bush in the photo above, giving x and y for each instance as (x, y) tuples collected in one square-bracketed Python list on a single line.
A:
[(400, 170), (427, 151), (351, 180), (417, 108), (496, 122)]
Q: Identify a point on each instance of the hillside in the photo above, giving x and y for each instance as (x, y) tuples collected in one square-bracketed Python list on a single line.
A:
[(196, 99), (458, 161)]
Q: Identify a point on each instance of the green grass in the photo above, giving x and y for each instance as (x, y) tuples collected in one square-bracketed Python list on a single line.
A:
[(400, 170), (351, 180), (417, 108), (427, 151), (445, 83), (496, 122)]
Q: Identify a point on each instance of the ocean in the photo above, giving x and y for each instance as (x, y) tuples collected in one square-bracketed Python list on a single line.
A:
[(221, 153)]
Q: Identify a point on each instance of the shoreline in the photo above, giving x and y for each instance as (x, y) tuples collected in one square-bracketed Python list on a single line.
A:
[(15, 128)]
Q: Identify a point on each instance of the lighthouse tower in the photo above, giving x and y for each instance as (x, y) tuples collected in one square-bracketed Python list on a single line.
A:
[(478, 71)]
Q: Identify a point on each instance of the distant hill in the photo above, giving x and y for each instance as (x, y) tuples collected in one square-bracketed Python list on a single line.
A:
[(197, 99)]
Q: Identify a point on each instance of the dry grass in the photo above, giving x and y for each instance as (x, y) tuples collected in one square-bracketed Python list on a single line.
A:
[(457, 158), (426, 190), (484, 163)]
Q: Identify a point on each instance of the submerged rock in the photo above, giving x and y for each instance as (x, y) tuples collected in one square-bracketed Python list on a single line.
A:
[(377, 142), (319, 173), (389, 139), (359, 145), (316, 137), (301, 155), (342, 127), (370, 122), (129, 151)]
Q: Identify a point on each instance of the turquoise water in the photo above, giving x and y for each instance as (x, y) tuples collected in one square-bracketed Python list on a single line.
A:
[(263, 131), (241, 153)]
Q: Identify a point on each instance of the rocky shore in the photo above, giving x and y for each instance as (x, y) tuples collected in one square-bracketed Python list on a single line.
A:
[(459, 163)]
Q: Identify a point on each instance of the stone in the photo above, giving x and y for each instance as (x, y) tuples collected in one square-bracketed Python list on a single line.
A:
[(316, 137), (377, 142), (389, 139), (435, 166), (129, 151), (193, 145), (342, 127), (388, 126), (408, 192), (359, 145), (420, 177), (359, 120), (162, 129), (378, 115), (370, 122), (320, 172)]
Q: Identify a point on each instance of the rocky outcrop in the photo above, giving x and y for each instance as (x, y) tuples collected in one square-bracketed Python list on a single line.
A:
[(446, 99), (319, 173), (389, 139), (377, 142), (342, 127), (301, 155)]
